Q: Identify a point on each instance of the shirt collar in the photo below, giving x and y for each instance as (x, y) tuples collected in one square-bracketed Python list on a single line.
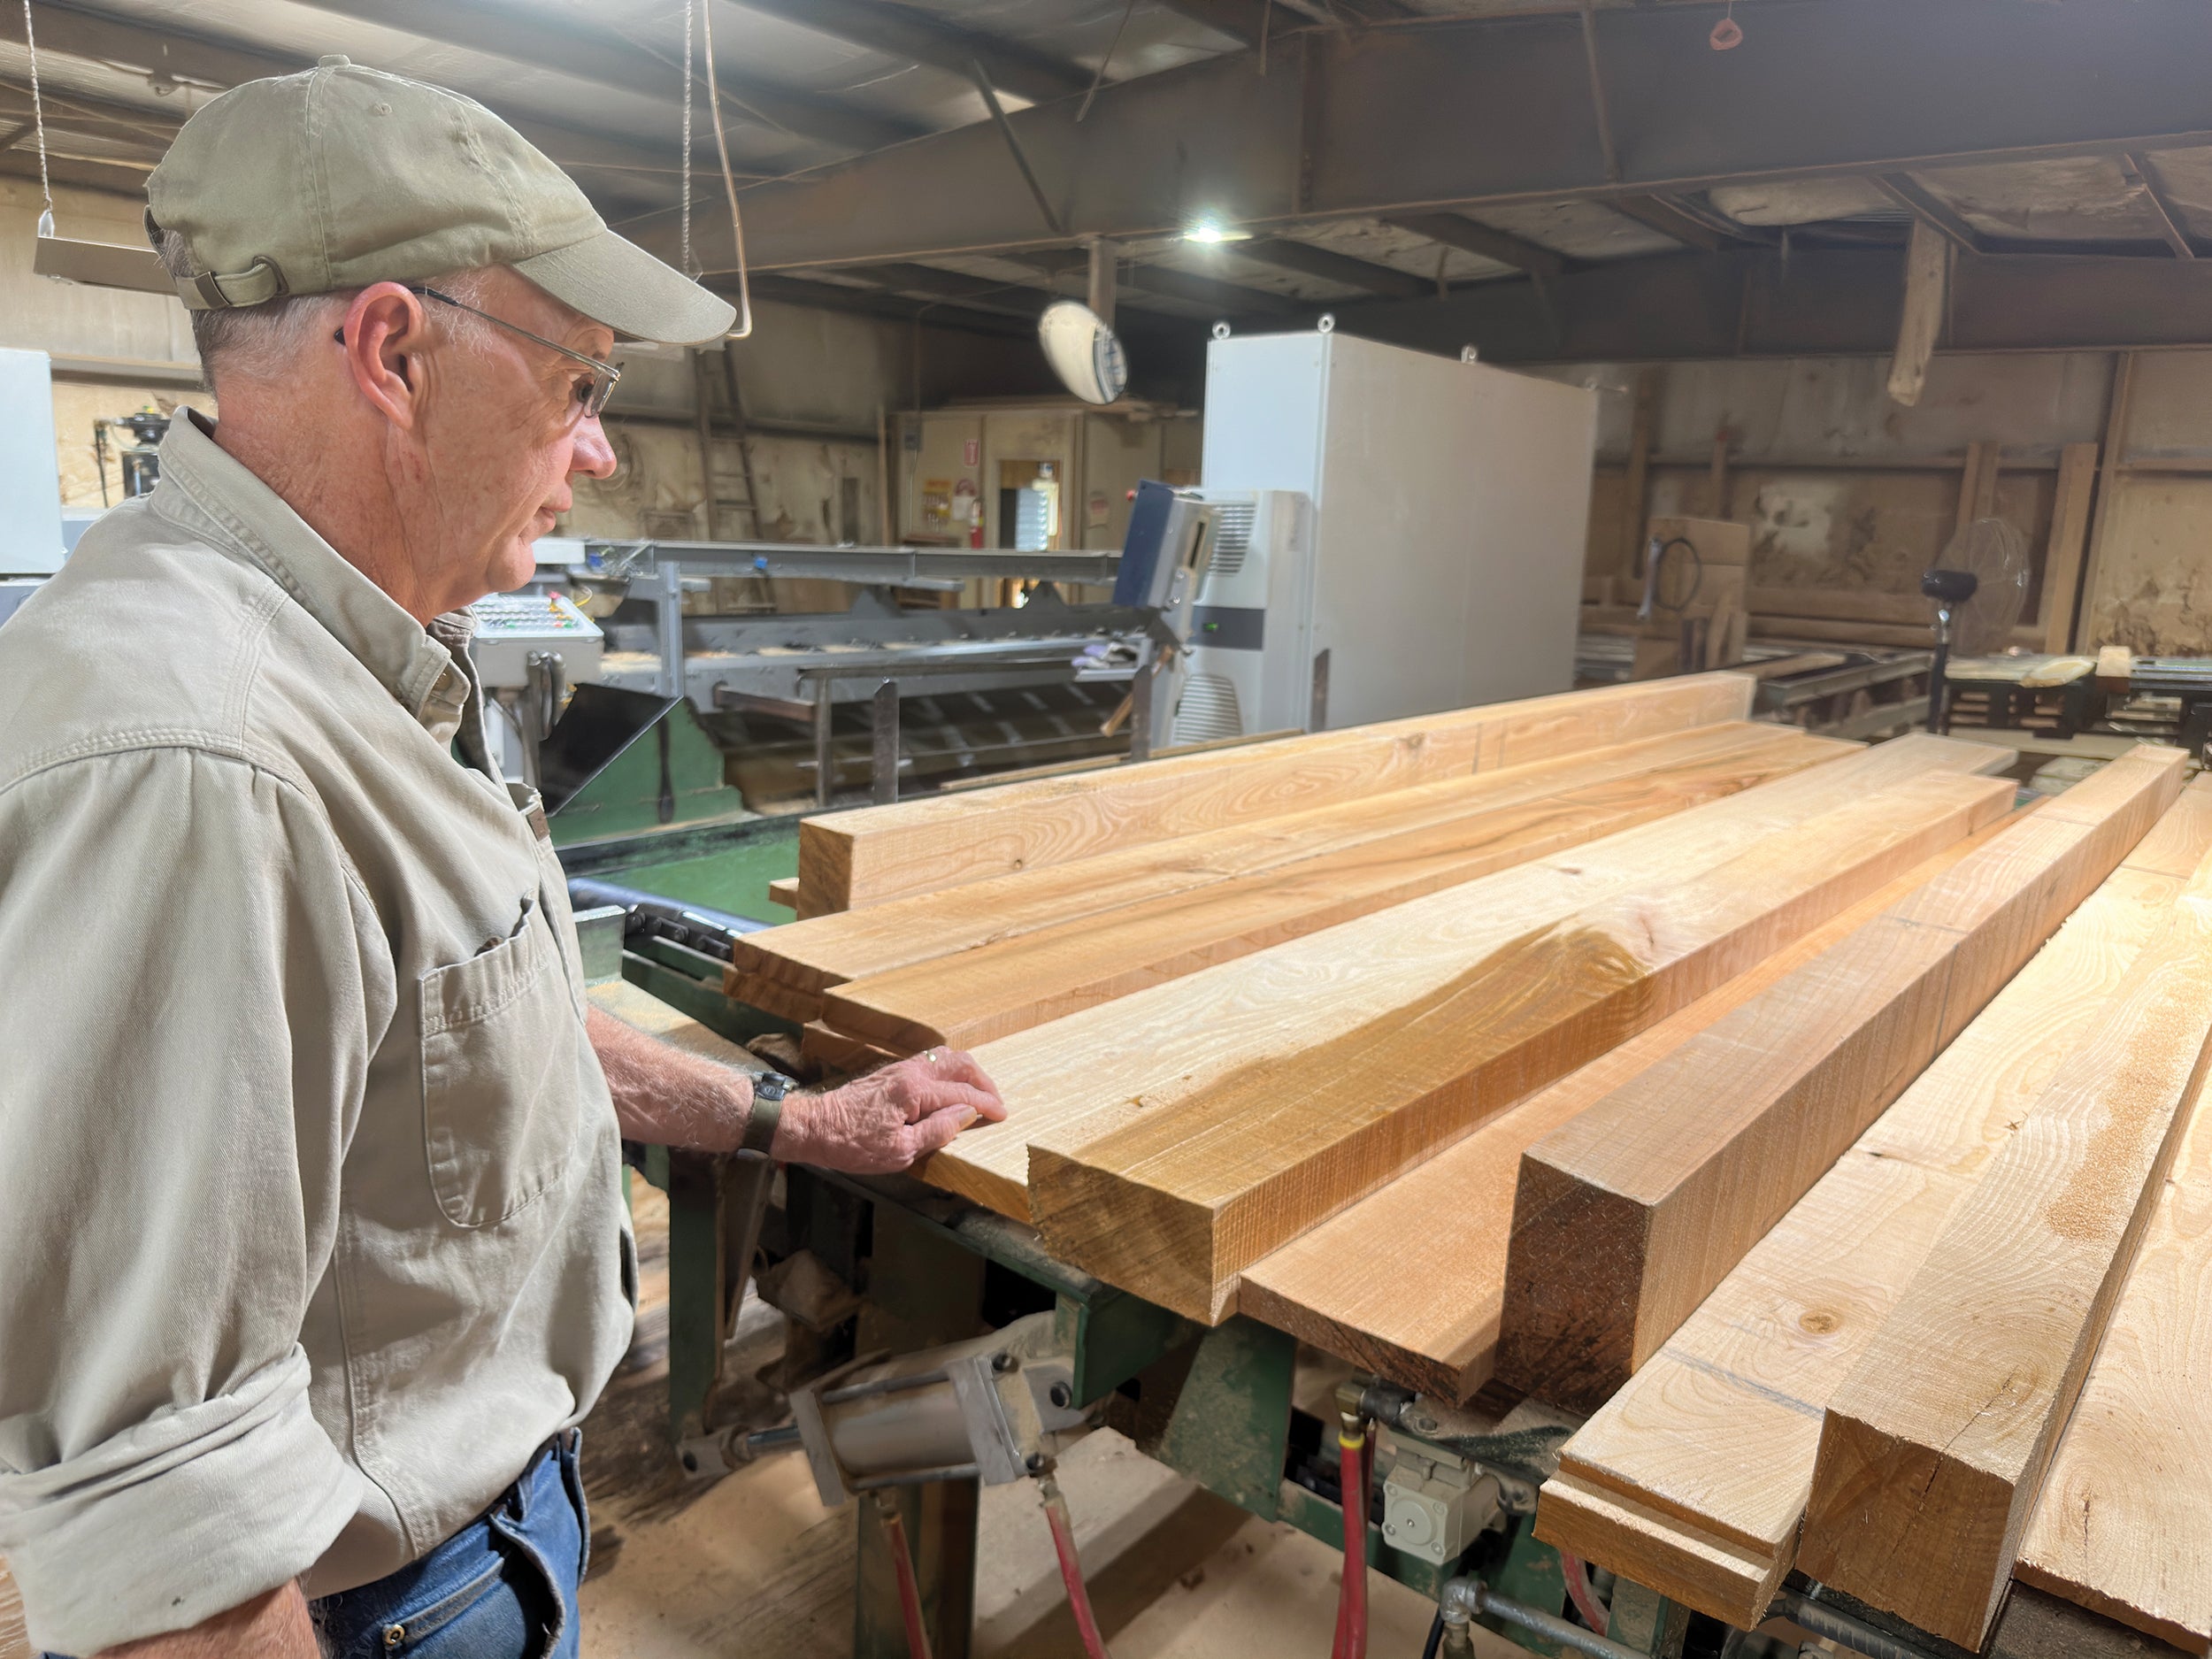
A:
[(416, 667)]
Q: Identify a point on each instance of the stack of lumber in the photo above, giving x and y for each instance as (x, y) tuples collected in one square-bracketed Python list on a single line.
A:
[(1819, 1119), (1874, 1391), (996, 958), (1626, 1218), (1172, 1138)]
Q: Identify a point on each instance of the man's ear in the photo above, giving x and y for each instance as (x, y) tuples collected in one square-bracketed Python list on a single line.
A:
[(383, 325)]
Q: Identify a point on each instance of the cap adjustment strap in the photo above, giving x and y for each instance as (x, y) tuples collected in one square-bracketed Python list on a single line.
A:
[(258, 284)]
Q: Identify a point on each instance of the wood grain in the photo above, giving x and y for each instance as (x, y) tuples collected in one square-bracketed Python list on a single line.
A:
[(1436, 1330), (1013, 984), (1176, 1200), (1069, 1081), (850, 859), (1927, 1472), (804, 959), (2123, 1523), (1694, 1478), (1628, 1216)]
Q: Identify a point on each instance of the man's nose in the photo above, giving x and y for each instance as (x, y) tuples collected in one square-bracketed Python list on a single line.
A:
[(589, 452)]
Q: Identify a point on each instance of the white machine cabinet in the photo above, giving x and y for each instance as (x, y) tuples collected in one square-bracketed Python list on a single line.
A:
[(1442, 565)]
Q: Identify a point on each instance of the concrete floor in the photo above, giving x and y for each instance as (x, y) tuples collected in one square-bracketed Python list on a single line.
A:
[(753, 1565)]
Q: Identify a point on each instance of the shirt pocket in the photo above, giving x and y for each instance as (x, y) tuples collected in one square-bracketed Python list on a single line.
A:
[(501, 1106)]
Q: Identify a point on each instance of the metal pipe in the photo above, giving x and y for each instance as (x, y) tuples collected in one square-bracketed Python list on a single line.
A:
[(1463, 1598), (823, 691), (883, 747), (1837, 1626)]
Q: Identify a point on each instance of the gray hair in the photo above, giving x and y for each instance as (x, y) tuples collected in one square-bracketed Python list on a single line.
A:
[(262, 342)]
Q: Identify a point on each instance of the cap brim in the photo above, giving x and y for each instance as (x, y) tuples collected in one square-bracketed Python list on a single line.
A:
[(615, 281)]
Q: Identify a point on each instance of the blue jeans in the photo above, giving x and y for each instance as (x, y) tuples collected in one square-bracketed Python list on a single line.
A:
[(502, 1588)]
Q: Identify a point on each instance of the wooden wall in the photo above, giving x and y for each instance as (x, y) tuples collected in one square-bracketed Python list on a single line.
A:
[(1850, 496)]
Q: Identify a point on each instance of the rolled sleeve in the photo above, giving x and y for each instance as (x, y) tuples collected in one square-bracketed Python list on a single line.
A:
[(187, 996)]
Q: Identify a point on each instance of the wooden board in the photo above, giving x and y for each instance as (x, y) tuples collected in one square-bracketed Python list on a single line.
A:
[(1478, 1002), (1011, 984), (849, 859), (806, 959), (1629, 1216), (2123, 1525), (1693, 1478), (1929, 1466), (785, 891), (1841, 605), (1066, 1082), (1436, 1330)]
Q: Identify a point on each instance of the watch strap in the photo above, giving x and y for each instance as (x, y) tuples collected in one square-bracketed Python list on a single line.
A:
[(769, 1090)]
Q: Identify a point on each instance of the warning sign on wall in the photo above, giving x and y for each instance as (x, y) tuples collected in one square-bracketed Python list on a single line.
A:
[(972, 452)]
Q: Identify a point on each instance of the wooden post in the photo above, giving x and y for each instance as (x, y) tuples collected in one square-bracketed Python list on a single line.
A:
[(885, 518), (1927, 271), (2070, 530), (1978, 485), (1717, 506), (2108, 478), (1634, 507)]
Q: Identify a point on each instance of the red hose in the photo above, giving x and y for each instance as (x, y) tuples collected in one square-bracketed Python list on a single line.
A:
[(1351, 1604), (1072, 1568), (909, 1591), (1579, 1592)]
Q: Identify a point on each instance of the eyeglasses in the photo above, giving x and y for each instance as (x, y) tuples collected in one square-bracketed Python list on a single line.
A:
[(592, 392)]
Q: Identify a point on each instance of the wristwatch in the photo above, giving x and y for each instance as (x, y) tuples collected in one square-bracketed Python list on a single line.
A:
[(769, 1090)]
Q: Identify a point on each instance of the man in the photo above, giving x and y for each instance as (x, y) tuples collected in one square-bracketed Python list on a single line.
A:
[(315, 1248)]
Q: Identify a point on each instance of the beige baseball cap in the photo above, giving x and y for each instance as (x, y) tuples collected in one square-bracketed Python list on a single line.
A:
[(341, 176)]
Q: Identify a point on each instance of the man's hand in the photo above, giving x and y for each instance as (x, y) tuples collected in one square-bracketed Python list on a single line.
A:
[(885, 1121)]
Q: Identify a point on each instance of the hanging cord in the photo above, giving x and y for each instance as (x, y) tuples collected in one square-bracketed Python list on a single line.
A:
[(1063, 1526), (1097, 80), (1356, 1444), (691, 265), (729, 179), (38, 117)]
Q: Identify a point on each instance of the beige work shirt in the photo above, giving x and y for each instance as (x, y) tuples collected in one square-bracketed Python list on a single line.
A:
[(310, 1224)]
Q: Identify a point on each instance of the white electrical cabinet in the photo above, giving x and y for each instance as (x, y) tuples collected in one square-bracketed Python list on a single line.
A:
[(1415, 536), (30, 476)]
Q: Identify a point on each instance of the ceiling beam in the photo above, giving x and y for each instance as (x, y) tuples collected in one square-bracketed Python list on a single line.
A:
[(1328, 266), (88, 176), (1017, 299), (606, 59), (1456, 230), (827, 296), (1929, 208), (1460, 113), (1244, 21), (1667, 216), (910, 31), (165, 56), (2171, 223), (1818, 301), (1157, 281)]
